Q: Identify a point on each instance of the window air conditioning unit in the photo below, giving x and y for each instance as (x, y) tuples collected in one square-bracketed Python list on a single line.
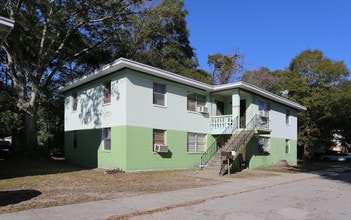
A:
[(202, 109), (160, 148), (263, 114)]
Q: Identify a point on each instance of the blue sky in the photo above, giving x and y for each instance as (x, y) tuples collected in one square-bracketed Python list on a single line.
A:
[(269, 33)]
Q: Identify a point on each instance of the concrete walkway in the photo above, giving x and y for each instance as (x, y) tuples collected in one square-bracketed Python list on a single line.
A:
[(138, 205)]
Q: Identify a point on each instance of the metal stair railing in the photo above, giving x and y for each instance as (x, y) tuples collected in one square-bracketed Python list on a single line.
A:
[(238, 143), (211, 151)]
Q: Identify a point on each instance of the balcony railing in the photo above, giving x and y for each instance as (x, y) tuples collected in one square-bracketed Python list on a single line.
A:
[(226, 124), (221, 123), (212, 149), (258, 122)]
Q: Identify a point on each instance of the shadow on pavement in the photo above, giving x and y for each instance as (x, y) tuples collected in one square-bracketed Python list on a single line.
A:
[(340, 171), (344, 177)]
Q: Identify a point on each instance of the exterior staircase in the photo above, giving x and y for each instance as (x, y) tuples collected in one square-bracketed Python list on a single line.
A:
[(223, 158), (210, 169), (236, 144), (219, 159)]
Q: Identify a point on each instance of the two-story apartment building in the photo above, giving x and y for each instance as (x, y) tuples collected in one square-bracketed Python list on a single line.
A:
[(132, 116)]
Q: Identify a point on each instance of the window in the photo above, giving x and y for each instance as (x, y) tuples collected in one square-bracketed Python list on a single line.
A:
[(75, 139), (159, 92), (195, 100), (74, 101), (158, 137), (263, 145), (106, 137), (196, 142), (107, 92), (287, 146), (287, 117)]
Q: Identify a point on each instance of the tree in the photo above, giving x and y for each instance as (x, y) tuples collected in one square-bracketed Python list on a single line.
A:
[(340, 108), (225, 67), (54, 42), (10, 118), (158, 37), (314, 81), (261, 77), (51, 42)]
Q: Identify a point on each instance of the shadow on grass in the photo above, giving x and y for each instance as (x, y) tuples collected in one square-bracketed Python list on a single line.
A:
[(14, 167), (17, 196)]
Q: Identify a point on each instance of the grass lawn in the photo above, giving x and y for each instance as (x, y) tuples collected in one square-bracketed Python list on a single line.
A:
[(28, 184)]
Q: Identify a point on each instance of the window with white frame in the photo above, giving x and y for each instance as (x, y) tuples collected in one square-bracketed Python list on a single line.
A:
[(287, 146), (196, 142), (263, 145), (287, 117), (159, 94), (195, 100), (106, 137), (74, 101), (107, 92)]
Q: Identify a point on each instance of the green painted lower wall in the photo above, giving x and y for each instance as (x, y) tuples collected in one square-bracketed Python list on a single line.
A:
[(140, 155), (277, 153), (88, 144), (116, 157), (132, 150)]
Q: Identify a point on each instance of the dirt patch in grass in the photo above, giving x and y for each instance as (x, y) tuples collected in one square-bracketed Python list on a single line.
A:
[(37, 184)]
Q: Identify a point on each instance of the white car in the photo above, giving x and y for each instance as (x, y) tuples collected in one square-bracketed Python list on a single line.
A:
[(336, 157)]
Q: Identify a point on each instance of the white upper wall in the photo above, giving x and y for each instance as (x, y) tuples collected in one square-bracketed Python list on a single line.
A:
[(132, 104), (277, 119), (174, 115), (91, 111), (132, 101), (123, 63)]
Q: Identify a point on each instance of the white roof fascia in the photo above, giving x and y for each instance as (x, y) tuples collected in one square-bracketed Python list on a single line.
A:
[(259, 91), (126, 63), (165, 74), (122, 63), (6, 25)]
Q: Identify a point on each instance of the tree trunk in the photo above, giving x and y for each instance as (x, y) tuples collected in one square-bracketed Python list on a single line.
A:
[(306, 152), (31, 149)]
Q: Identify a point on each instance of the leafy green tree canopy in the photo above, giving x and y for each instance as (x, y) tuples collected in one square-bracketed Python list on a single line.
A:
[(56, 41), (158, 36), (53, 40), (315, 81), (317, 70)]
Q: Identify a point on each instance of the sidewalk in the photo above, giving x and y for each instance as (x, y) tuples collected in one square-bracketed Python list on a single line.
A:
[(120, 207)]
